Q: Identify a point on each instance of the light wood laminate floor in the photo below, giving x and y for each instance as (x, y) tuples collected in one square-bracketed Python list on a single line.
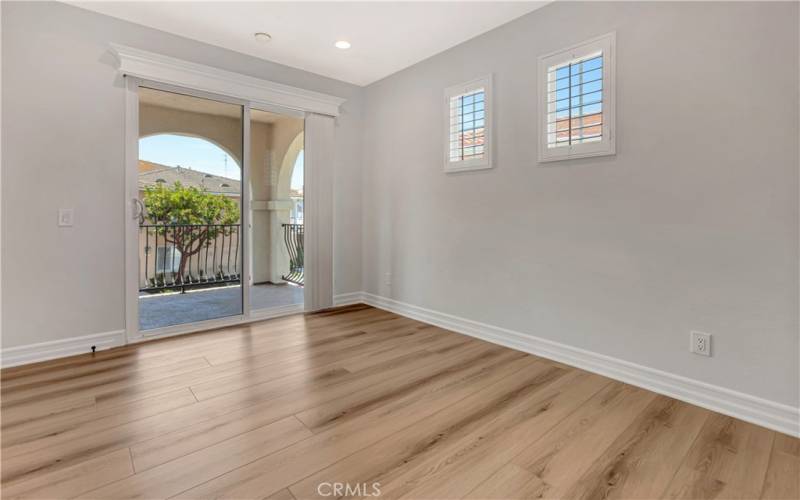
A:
[(285, 408)]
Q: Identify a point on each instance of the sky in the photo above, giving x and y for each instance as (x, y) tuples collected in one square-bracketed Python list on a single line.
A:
[(297, 173), (199, 154)]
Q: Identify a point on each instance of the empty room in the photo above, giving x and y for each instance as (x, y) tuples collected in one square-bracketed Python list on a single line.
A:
[(400, 249)]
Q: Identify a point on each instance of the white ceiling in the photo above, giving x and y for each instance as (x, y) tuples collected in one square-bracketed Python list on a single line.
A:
[(385, 36)]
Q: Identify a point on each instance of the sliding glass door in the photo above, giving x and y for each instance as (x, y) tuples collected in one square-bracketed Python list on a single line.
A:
[(190, 227)]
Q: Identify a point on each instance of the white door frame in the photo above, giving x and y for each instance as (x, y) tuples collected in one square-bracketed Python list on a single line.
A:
[(174, 75), (132, 332)]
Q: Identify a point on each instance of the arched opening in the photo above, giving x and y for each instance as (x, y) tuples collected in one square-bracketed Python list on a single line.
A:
[(292, 161), (190, 227), (296, 190), (192, 152)]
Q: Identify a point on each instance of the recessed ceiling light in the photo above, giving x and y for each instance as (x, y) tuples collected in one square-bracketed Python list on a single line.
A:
[(342, 44), (262, 37)]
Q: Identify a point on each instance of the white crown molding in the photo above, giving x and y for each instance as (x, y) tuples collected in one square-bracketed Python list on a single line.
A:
[(766, 413), (164, 69), (14, 356)]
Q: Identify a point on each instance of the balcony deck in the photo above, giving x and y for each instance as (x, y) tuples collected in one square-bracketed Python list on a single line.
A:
[(161, 310)]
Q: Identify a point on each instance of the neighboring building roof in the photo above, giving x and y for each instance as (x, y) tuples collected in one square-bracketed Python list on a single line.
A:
[(149, 166), (151, 174)]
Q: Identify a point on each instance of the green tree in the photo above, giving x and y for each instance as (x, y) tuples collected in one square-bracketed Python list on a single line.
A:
[(191, 218)]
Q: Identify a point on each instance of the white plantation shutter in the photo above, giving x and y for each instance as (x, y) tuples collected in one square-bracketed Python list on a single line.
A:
[(575, 101), (468, 126), (577, 97)]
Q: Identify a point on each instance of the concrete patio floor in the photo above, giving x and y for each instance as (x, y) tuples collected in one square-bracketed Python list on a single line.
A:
[(158, 311)]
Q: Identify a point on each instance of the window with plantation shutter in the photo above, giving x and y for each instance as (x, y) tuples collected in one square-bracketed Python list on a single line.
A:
[(468, 126), (577, 101)]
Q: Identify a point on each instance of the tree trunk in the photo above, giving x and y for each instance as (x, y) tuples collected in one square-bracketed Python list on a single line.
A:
[(182, 266)]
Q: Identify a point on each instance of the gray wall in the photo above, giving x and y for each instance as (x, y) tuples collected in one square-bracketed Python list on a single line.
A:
[(63, 146), (692, 225)]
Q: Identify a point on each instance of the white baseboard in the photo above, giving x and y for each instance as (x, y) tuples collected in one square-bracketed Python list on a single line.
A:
[(347, 299), (770, 414), (14, 356)]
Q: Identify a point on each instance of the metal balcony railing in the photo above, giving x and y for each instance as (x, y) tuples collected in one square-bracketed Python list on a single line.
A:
[(293, 236), (183, 256)]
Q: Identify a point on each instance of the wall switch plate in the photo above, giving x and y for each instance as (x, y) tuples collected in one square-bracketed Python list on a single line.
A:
[(700, 343), (66, 217)]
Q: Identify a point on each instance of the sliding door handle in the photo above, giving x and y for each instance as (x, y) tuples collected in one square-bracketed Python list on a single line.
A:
[(138, 210)]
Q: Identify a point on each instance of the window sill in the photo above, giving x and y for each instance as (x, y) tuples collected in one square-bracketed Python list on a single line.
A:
[(573, 156), (466, 167)]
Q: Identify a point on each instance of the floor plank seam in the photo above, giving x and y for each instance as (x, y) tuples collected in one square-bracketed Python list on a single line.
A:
[(133, 464), (98, 487), (230, 470), (93, 420), (667, 484), (192, 453), (769, 464), (309, 429), (249, 405), (543, 436), (766, 469), (16, 404)]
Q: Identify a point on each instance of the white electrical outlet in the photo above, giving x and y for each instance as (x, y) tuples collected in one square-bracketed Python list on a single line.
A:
[(700, 343), (388, 279), (66, 217)]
